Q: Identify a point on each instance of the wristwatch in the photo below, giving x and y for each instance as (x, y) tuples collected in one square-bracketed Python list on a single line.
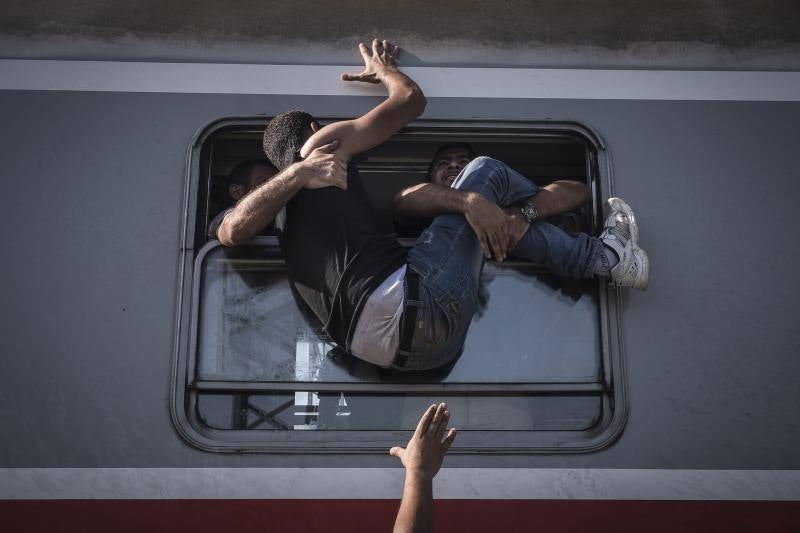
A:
[(529, 212)]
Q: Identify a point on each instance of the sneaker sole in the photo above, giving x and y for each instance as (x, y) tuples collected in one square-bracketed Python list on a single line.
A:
[(618, 204), (644, 260)]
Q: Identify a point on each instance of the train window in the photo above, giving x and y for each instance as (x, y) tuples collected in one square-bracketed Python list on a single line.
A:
[(254, 372)]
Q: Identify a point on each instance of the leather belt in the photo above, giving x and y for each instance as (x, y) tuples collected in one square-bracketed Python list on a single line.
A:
[(409, 319)]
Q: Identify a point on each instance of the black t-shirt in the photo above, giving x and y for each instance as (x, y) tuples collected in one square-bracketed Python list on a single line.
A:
[(409, 227), (336, 253)]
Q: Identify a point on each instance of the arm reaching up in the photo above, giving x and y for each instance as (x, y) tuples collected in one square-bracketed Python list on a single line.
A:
[(422, 457), (404, 103)]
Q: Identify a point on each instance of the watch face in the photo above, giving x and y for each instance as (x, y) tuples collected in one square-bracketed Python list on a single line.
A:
[(529, 212)]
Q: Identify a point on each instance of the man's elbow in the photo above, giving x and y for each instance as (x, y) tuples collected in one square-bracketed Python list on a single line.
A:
[(231, 235), (419, 102), (415, 101), (398, 201), (401, 199), (585, 193), (407, 201)]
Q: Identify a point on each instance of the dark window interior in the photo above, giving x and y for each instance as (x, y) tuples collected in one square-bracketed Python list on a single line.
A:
[(404, 159)]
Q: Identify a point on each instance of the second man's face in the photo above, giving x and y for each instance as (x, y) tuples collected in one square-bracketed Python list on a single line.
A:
[(447, 165), (259, 175)]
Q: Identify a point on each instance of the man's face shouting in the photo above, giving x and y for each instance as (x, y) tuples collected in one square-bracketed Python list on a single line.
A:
[(448, 164)]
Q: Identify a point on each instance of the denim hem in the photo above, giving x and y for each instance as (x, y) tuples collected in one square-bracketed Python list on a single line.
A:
[(594, 256)]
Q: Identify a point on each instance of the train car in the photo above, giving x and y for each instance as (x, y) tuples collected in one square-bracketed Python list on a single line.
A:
[(180, 386)]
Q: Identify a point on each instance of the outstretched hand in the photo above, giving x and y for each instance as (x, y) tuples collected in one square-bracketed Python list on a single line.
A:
[(424, 453), (324, 169), (383, 56)]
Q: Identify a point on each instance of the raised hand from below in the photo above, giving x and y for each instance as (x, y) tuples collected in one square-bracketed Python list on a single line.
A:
[(424, 453)]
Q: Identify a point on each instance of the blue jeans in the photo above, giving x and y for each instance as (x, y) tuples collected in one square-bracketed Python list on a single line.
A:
[(448, 259)]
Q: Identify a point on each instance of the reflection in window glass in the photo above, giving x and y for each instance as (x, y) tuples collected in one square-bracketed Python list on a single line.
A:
[(393, 412), (532, 327)]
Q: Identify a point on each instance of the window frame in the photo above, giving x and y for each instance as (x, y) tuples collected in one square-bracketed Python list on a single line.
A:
[(183, 394)]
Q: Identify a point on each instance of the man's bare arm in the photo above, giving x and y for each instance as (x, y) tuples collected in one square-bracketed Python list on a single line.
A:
[(422, 457), (487, 220), (428, 200), (260, 207), (404, 103), (559, 197)]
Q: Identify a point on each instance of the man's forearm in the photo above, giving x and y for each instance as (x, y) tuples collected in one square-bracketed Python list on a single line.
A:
[(559, 197), (416, 507), (428, 200), (404, 93), (260, 207)]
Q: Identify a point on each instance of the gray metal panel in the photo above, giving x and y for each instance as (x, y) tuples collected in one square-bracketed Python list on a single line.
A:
[(92, 200)]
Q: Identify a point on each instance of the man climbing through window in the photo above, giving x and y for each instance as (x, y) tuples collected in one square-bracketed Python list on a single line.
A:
[(412, 310), (450, 159)]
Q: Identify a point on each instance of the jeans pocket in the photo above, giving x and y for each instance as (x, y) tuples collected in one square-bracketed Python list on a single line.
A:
[(457, 306)]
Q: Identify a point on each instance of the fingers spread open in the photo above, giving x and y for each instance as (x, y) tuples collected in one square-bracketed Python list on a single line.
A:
[(496, 251), (448, 440), (503, 236), (438, 415), (364, 51), (395, 51), (502, 244), (376, 47), (484, 244), (425, 421), (442, 426)]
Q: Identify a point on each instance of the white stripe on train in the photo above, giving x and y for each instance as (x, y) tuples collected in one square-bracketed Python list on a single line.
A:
[(225, 78), (386, 483)]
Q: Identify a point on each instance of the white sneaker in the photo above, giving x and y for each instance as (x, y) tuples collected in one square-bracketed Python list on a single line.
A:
[(621, 234)]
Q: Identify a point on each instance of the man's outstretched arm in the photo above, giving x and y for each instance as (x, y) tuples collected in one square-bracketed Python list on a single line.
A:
[(404, 103), (260, 207), (422, 457)]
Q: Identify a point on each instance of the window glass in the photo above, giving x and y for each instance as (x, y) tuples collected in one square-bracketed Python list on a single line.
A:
[(333, 411), (531, 327)]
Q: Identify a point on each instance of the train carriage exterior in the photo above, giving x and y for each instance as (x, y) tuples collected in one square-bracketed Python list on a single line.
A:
[(153, 379)]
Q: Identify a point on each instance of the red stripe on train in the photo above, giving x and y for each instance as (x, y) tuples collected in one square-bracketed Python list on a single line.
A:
[(352, 516)]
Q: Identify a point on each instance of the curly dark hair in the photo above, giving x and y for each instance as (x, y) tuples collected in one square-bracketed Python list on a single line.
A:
[(284, 137)]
